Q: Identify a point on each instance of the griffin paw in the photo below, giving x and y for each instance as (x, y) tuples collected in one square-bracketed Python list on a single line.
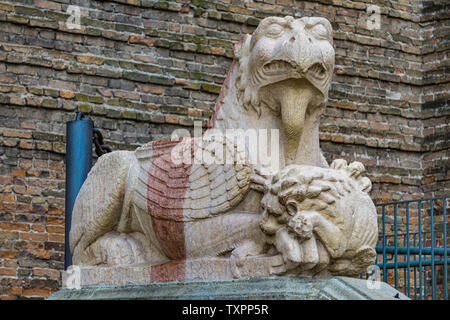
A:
[(239, 256), (122, 249)]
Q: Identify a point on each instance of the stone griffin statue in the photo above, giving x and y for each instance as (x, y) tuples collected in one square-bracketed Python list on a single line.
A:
[(145, 208)]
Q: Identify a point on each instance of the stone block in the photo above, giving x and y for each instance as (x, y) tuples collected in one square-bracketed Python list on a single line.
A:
[(255, 288)]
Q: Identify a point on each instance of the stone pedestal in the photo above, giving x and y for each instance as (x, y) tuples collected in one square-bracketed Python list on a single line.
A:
[(247, 288)]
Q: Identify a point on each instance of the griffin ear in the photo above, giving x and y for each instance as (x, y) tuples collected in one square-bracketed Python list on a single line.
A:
[(247, 92), (242, 48)]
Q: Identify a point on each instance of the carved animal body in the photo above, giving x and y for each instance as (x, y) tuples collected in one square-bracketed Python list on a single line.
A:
[(149, 209), (144, 207)]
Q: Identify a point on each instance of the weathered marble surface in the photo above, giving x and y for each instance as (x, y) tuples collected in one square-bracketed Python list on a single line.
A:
[(247, 288), (146, 207)]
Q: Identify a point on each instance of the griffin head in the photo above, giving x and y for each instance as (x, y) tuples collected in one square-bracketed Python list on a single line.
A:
[(287, 65)]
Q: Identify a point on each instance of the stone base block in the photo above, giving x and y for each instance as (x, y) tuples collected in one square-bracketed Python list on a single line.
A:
[(205, 268), (246, 288)]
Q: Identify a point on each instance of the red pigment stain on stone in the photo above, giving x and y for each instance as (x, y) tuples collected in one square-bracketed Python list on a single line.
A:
[(170, 271), (167, 185)]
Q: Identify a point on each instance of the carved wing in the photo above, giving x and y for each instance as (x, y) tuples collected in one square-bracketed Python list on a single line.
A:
[(203, 185)]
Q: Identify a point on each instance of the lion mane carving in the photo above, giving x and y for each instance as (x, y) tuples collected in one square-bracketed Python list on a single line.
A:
[(321, 220)]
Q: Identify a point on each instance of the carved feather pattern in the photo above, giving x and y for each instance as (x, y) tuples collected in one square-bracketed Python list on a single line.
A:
[(193, 189)]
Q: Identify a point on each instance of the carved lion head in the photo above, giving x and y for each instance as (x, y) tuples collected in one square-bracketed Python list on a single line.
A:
[(295, 189), (326, 210)]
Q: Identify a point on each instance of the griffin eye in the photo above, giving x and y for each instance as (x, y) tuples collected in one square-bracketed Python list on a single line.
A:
[(274, 30), (319, 31)]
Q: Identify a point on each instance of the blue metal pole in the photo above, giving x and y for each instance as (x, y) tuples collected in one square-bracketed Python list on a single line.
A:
[(78, 165)]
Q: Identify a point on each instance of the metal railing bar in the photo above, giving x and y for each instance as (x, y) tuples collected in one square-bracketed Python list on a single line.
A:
[(408, 253), (425, 272), (412, 254), (413, 250), (433, 276), (420, 249), (404, 273), (384, 244), (445, 250), (396, 246), (415, 271), (413, 200), (425, 263), (411, 233)]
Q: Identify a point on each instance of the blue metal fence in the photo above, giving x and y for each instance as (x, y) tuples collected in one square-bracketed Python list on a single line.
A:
[(412, 251)]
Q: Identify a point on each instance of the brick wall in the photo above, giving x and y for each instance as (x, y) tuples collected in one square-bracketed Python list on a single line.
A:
[(142, 68)]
